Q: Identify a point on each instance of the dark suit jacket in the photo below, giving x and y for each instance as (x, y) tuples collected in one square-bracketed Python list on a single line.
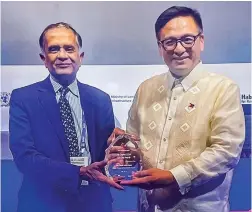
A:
[(40, 150)]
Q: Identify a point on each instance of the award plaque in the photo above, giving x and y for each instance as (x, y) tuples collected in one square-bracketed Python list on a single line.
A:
[(128, 158)]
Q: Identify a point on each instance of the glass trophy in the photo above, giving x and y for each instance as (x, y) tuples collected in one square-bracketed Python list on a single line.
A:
[(127, 159)]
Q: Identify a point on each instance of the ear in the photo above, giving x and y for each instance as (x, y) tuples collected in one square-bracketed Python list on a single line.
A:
[(42, 57), (160, 50), (202, 42), (81, 57)]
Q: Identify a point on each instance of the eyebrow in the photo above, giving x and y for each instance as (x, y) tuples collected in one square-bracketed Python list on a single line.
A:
[(185, 35), (64, 46)]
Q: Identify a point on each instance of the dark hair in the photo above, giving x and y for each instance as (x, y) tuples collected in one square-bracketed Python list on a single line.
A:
[(59, 24), (174, 12)]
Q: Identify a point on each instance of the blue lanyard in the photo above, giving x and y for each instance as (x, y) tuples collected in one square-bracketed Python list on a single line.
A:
[(84, 136)]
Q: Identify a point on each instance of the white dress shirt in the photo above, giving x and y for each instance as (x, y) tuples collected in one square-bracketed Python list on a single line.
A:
[(73, 97)]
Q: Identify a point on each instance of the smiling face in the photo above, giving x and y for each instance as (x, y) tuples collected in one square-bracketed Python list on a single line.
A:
[(181, 60), (61, 54)]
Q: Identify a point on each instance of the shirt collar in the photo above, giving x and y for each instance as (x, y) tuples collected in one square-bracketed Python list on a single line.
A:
[(196, 74), (187, 81), (73, 87)]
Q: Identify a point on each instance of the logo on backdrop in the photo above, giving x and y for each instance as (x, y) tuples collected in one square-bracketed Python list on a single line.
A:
[(122, 98), (246, 99), (5, 99)]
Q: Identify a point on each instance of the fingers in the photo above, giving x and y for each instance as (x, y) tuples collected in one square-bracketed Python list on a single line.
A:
[(134, 137), (143, 173), (94, 173), (118, 178), (111, 182), (117, 131), (116, 161), (114, 184), (100, 164), (113, 156), (136, 181), (114, 153), (111, 138)]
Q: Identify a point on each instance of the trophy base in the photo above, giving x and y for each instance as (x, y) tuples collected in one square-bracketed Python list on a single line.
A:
[(122, 172)]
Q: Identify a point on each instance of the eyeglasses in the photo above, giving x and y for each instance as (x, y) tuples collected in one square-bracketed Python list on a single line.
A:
[(186, 41)]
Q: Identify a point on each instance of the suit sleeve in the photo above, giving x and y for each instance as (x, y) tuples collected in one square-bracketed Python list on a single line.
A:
[(29, 160), (107, 123)]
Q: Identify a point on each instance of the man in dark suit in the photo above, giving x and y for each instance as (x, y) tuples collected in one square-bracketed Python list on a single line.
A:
[(58, 133)]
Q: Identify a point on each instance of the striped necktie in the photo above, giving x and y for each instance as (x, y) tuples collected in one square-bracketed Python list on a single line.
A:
[(68, 123)]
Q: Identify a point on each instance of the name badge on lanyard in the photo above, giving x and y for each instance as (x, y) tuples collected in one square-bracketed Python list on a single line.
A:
[(83, 158), (79, 161)]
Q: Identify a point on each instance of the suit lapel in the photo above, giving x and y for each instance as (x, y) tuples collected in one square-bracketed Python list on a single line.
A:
[(48, 101), (88, 109)]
